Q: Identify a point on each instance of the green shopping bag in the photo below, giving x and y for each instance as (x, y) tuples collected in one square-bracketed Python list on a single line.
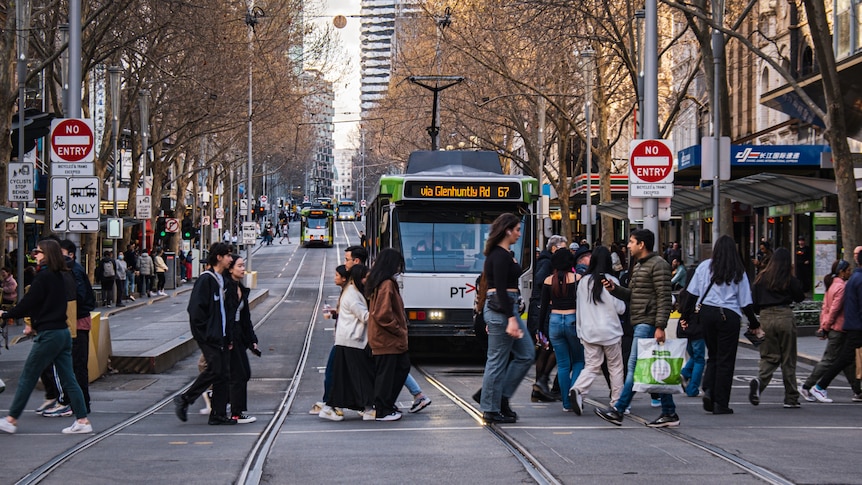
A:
[(658, 366)]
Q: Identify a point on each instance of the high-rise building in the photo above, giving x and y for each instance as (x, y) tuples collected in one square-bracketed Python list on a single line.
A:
[(321, 163)]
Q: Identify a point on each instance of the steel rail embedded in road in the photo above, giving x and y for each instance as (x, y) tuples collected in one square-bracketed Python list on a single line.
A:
[(530, 463)]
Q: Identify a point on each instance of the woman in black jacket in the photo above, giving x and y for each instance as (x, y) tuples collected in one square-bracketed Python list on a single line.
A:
[(45, 304), (242, 338)]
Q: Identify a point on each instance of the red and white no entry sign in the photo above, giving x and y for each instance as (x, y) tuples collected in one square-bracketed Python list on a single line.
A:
[(651, 162), (72, 140)]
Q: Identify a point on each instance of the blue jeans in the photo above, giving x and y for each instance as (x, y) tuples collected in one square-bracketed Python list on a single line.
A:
[(502, 375), (569, 351), (693, 369), (49, 346), (412, 386), (641, 330), (130, 282)]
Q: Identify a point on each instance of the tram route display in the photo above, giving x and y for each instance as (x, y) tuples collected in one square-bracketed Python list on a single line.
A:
[(420, 189)]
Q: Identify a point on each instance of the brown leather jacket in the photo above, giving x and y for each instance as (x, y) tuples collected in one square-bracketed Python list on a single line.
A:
[(387, 321)]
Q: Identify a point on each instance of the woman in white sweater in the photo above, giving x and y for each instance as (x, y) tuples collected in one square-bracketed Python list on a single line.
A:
[(352, 366), (599, 329)]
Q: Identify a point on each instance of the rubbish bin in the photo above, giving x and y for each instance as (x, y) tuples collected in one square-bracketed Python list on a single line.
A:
[(171, 273)]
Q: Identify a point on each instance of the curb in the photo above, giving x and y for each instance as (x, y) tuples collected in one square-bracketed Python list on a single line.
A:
[(143, 302)]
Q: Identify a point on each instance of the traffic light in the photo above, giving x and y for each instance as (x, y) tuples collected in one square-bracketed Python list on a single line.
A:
[(36, 125), (188, 229), (160, 227)]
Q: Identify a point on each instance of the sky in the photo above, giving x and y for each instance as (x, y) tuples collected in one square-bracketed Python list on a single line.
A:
[(346, 91)]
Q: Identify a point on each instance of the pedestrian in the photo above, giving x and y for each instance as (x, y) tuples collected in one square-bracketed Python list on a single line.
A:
[(546, 359), (106, 273), (285, 231), (775, 288), (131, 257), (146, 269), (189, 259), (649, 299), (679, 275), (506, 330), (599, 329), (10, 286), (559, 297), (803, 264), (720, 287), (762, 257), (363, 239), (209, 328), (243, 339), (852, 326), (387, 333), (45, 304), (832, 328), (120, 263), (341, 278), (353, 374), (161, 268)]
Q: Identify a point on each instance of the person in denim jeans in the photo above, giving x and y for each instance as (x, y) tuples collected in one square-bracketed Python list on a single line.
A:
[(506, 330), (692, 371), (649, 297), (558, 299)]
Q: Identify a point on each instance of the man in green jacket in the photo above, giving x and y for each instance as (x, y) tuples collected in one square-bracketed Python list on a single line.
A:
[(649, 299)]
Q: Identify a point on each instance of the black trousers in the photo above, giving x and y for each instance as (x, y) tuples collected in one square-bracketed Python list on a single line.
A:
[(121, 291), (216, 374), (80, 364), (846, 356), (240, 373), (722, 340), (108, 291), (390, 373)]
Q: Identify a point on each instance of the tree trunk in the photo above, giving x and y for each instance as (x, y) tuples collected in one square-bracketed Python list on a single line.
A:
[(564, 187)]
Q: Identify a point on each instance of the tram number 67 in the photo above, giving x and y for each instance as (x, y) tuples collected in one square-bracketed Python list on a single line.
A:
[(502, 192)]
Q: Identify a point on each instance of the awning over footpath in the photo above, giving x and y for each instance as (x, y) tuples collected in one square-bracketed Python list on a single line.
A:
[(761, 190)]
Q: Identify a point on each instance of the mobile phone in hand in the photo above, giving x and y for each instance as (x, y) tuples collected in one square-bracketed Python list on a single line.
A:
[(256, 352)]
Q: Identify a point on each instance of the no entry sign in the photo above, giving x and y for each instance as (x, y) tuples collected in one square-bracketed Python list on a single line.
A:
[(72, 140), (651, 162)]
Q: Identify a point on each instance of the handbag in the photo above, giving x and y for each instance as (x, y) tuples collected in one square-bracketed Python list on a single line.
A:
[(694, 330), (658, 366)]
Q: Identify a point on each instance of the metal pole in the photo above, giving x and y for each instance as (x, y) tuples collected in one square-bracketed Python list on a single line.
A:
[(541, 109), (248, 190), (589, 57), (650, 115), (75, 80), (717, 55), (114, 73), (144, 102), (23, 27)]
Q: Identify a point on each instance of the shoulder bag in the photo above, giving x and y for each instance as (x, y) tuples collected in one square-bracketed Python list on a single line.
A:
[(695, 329)]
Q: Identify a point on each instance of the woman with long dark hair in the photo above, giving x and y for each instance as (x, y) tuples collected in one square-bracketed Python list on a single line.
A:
[(720, 287), (387, 333), (832, 328), (559, 300), (506, 330), (599, 329), (775, 288), (45, 304), (243, 338)]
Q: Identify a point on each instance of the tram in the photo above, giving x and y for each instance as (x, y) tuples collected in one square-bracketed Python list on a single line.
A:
[(347, 210), (316, 227), (438, 215)]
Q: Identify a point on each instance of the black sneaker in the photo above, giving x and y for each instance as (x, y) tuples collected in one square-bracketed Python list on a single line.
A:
[(181, 407), (610, 415), (665, 421), (219, 420), (791, 405), (492, 418), (507, 410), (754, 391)]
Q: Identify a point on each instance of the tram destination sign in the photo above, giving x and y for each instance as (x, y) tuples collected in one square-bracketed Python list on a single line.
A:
[(462, 190)]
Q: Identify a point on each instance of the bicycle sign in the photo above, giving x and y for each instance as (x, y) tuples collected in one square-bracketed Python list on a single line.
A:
[(75, 204)]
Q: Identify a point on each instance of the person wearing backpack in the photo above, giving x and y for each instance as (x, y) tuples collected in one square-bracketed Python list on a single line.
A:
[(106, 272), (145, 268)]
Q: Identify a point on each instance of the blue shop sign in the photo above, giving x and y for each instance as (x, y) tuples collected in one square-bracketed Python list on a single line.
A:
[(760, 156)]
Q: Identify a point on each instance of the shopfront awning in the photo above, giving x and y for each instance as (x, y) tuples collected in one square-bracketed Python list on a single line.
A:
[(761, 190)]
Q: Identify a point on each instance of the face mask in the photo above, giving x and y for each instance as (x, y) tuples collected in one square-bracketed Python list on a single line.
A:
[(121, 257)]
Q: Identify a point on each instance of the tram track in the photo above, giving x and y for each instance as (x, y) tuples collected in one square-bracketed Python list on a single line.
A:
[(253, 464)]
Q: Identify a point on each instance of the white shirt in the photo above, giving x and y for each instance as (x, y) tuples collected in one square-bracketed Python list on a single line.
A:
[(352, 327), (734, 296), (599, 322)]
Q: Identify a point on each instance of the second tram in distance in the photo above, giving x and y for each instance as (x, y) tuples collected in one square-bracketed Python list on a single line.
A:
[(316, 227), (438, 215)]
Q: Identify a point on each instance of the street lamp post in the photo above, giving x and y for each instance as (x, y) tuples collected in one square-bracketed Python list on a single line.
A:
[(114, 73), (589, 65), (22, 24), (252, 17)]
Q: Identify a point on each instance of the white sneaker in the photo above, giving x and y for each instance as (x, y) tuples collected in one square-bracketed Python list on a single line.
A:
[(368, 415), (131, 298), (331, 414), (318, 406), (207, 395), (390, 417), (7, 427), (162, 293), (819, 394), (2, 385), (806, 394), (78, 428)]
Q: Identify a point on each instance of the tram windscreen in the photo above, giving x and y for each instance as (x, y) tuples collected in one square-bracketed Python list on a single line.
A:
[(445, 240), (316, 222)]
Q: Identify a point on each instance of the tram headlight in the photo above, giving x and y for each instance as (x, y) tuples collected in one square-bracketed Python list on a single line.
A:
[(436, 315)]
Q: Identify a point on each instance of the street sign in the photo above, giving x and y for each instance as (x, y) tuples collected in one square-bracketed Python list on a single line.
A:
[(72, 169), (20, 181), (362, 203), (115, 228), (243, 207), (143, 207), (58, 203), (249, 233), (172, 225), (72, 140), (206, 221), (263, 199), (219, 213), (75, 204), (651, 168)]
